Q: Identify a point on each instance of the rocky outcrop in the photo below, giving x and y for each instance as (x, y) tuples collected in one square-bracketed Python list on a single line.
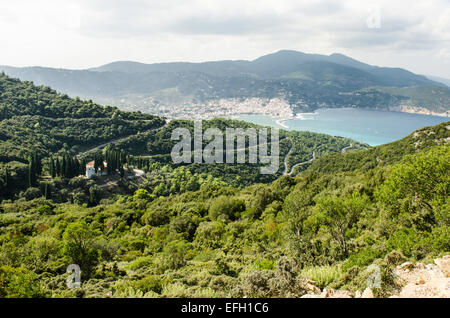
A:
[(310, 287), (330, 293), (444, 265), (417, 281), (425, 281)]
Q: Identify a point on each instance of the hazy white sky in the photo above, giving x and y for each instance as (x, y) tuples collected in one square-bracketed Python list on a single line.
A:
[(79, 34)]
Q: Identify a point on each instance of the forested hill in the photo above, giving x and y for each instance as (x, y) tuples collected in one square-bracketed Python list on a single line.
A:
[(42, 131), (213, 240), (38, 119), (184, 233), (304, 81)]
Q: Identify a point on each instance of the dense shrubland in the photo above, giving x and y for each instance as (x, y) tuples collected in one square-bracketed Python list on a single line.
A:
[(155, 147), (208, 230), (260, 241)]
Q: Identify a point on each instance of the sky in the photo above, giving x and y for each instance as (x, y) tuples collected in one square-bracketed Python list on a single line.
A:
[(87, 33)]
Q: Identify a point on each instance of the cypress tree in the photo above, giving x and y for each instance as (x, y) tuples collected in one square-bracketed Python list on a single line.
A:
[(8, 183), (48, 193), (96, 165), (63, 167), (38, 164), (83, 167), (76, 168), (32, 172), (58, 167), (101, 164), (52, 167)]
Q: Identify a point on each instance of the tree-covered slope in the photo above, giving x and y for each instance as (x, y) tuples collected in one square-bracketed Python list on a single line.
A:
[(433, 98), (38, 119), (220, 241), (384, 154), (41, 129), (196, 231)]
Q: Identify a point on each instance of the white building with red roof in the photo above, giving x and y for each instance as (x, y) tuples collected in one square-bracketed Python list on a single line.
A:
[(90, 170)]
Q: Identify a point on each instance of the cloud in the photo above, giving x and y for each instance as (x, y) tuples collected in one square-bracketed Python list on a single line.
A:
[(89, 32)]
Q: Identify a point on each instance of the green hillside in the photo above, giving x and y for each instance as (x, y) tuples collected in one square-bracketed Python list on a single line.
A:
[(206, 230), (220, 241), (38, 119), (385, 154), (38, 124), (434, 98)]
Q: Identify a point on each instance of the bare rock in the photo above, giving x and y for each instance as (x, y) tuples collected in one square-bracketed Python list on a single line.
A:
[(325, 293), (426, 281), (420, 266), (429, 290), (420, 281), (310, 287), (341, 294), (444, 265), (367, 293)]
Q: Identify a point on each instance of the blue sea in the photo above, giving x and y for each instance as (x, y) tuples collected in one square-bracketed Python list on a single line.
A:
[(369, 126)]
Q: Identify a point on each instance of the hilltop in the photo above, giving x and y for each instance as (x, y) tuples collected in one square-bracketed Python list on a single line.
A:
[(295, 80)]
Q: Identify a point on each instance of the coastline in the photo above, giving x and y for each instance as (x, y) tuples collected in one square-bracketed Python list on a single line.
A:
[(418, 111), (281, 122)]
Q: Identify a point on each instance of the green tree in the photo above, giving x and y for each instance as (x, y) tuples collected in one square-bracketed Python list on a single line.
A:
[(47, 191), (174, 255), (19, 283), (339, 215), (416, 192), (297, 209), (225, 208), (78, 246)]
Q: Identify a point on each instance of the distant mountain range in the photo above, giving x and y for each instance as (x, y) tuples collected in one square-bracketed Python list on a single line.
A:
[(442, 80), (304, 81)]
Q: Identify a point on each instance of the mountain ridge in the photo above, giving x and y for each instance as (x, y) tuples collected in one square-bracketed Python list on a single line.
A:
[(304, 81)]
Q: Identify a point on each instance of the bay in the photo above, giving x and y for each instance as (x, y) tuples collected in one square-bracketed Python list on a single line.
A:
[(373, 127)]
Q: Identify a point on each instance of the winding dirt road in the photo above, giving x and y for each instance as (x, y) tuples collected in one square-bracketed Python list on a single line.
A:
[(122, 138), (286, 173)]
